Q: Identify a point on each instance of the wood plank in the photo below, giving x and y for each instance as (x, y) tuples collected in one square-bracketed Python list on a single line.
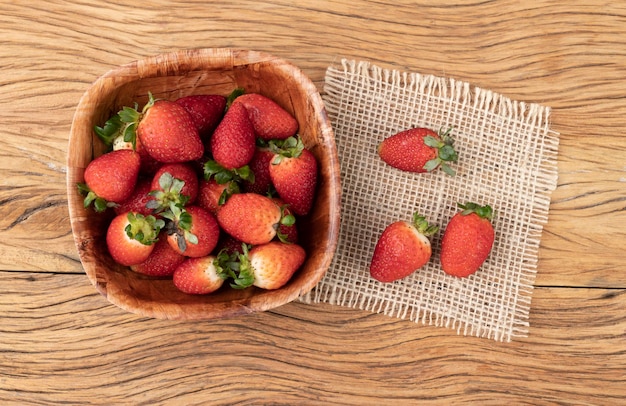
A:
[(552, 50), (62, 342)]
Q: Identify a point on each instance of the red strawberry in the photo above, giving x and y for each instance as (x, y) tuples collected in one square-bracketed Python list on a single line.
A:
[(233, 141), (114, 135), (131, 237), (467, 240), (402, 248), (193, 231), (269, 266), (293, 171), (419, 150), (110, 178), (199, 276), (181, 171), (162, 261), (165, 129), (206, 111), (212, 195), (269, 119), (139, 200), (229, 245), (149, 165), (259, 165), (250, 218)]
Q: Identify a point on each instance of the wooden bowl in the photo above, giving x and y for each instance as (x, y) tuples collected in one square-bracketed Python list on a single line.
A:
[(170, 76)]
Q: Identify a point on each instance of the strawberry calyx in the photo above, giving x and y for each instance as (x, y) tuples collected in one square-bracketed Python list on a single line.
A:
[(240, 269), (168, 195), (290, 147), (422, 225), (180, 225), (445, 152), (99, 204), (110, 131), (225, 263), (130, 118), (286, 219), (222, 175), (485, 212), (233, 95), (144, 229)]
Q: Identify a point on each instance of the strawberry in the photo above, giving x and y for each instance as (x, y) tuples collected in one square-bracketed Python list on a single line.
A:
[(206, 111), (165, 129), (110, 179), (199, 276), (139, 200), (183, 172), (229, 245), (259, 165), (131, 236), (251, 218), (402, 248), (233, 142), (467, 240), (293, 172), (162, 261), (419, 150), (269, 119), (212, 195), (192, 231), (113, 134), (269, 266)]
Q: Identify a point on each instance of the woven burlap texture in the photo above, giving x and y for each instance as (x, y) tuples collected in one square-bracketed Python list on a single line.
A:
[(507, 159)]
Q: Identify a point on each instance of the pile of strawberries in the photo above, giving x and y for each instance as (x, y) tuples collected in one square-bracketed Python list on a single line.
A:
[(205, 189), (404, 246)]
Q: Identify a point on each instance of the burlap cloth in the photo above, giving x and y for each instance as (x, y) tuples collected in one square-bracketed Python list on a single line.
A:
[(507, 159)]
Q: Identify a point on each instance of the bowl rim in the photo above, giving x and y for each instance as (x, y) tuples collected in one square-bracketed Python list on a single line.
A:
[(179, 63)]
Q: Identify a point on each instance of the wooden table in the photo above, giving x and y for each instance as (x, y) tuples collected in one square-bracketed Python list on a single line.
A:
[(61, 342)]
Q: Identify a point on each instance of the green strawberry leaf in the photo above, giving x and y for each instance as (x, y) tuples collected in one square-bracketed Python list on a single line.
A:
[(110, 131), (222, 175), (144, 229), (233, 95), (243, 276), (170, 193), (432, 164), (291, 147), (432, 142), (99, 204), (485, 212), (422, 225)]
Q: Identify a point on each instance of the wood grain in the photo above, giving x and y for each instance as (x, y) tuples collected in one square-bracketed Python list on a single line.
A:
[(299, 353), (60, 341)]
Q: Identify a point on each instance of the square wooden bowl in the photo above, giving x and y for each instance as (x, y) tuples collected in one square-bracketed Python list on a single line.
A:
[(188, 72)]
